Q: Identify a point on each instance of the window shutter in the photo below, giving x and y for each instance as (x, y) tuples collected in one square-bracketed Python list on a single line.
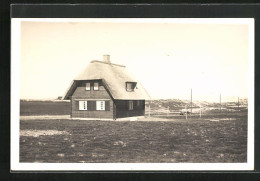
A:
[(83, 105), (100, 105), (107, 105)]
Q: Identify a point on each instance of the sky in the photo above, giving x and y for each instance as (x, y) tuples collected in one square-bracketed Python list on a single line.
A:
[(168, 58)]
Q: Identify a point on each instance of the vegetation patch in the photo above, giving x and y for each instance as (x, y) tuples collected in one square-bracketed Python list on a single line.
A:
[(37, 133), (162, 138), (79, 141)]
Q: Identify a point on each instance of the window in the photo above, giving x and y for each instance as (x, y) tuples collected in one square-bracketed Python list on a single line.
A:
[(130, 105), (130, 86), (95, 85), (83, 105), (100, 105), (88, 86)]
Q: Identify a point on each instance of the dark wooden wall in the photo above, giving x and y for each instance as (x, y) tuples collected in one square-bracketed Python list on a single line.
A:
[(113, 109), (81, 91), (82, 94), (122, 108)]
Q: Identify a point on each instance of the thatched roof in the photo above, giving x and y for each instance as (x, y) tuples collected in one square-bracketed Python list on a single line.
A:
[(114, 77)]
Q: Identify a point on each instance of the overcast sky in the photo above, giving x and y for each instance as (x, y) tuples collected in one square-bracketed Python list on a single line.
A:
[(168, 58)]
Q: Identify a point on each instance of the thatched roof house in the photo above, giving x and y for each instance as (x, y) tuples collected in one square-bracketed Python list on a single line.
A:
[(111, 85)]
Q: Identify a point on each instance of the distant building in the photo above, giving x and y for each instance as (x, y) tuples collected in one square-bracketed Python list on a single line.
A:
[(59, 98), (106, 91)]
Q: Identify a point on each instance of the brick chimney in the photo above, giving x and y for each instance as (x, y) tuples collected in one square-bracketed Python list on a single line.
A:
[(106, 58)]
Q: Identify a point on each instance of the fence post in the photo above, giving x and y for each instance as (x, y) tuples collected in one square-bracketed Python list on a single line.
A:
[(186, 112), (238, 103), (149, 110), (200, 111)]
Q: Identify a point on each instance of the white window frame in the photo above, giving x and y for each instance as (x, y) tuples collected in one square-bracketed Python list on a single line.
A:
[(131, 105), (96, 86), (100, 105), (88, 86), (83, 105)]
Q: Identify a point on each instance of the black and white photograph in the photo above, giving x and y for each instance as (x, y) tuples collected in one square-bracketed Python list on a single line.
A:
[(132, 94)]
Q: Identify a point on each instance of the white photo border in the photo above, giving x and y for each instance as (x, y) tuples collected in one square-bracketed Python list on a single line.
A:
[(15, 104)]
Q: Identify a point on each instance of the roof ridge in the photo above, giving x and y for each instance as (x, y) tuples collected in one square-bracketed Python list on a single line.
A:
[(98, 61)]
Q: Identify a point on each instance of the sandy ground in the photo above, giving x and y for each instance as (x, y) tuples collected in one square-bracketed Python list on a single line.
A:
[(45, 117), (37, 133), (50, 117), (154, 119), (141, 118)]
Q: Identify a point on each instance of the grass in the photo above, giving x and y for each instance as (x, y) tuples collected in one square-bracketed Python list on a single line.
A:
[(195, 140), (192, 141)]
